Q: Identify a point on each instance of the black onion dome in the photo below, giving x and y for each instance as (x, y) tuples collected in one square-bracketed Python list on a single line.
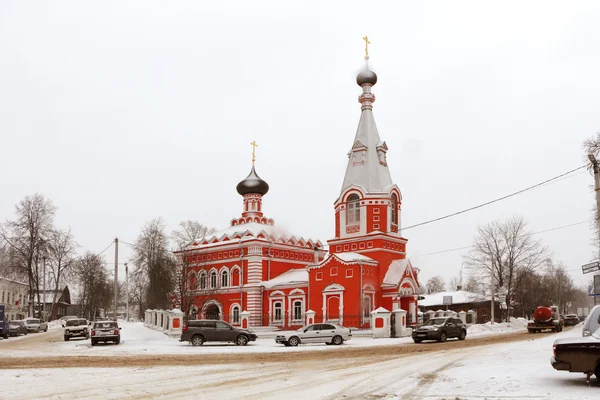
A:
[(252, 184), (366, 76)]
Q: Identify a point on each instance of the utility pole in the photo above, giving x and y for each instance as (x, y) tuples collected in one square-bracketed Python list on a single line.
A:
[(127, 292), (493, 291), (116, 274), (596, 169)]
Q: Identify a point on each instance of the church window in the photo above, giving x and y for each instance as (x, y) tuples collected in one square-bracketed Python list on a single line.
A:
[(394, 209), (376, 218), (333, 271), (224, 279), (319, 276), (213, 279), (349, 273), (235, 315), (297, 310), (366, 308), (376, 211), (277, 308), (375, 226), (353, 213), (203, 280), (354, 246)]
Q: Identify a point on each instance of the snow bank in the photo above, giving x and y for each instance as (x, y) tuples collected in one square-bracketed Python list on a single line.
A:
[(515, 324)]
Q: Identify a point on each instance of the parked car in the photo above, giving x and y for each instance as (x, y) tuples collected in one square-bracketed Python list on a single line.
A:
[(199, 331), (440, 329), (571, 320), (106, 331), (63, 320), (35, 325), (315, 333), (17, 327), (592, 322), (4, 329), (76, 328), (579, 354)]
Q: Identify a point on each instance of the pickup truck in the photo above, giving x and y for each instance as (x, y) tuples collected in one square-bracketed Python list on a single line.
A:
[(580, 354)]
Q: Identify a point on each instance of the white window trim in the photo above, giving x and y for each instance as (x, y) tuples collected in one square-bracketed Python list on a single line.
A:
[(273, 301), (231, 319), (291, 300)]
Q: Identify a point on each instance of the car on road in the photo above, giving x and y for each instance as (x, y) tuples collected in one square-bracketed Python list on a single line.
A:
[(63, 320), (197, 332), (315, 333), (578, 354), (592, 322), (440, 329), (571, 320), (36, 325), (17, 327), (106, 331), (76, 328)]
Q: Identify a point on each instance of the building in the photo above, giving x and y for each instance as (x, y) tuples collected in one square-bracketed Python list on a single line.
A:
[(13, 295), (278, 277), (461, 300), (62, 299)]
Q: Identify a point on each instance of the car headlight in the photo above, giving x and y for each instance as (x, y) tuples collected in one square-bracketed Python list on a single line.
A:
[(587, 332), (435, 329)]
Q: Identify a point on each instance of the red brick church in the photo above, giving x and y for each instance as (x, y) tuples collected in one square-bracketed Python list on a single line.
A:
[(279, 278)]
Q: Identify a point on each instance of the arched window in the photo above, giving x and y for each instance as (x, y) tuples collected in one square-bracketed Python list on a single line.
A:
[(224, 278), (203, 280), (366, 308), (394, 209), (297, 310), (235, 315), (192, 280), (277, 311), (353, 213), (213, 279)]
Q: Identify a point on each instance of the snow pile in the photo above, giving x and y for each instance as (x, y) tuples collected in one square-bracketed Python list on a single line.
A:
[(515, 324)]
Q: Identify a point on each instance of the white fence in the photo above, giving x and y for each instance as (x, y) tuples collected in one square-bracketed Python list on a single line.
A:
[(168, 321)]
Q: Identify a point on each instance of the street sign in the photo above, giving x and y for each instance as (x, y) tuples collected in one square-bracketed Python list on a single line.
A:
[(447, 300), (590, 267)]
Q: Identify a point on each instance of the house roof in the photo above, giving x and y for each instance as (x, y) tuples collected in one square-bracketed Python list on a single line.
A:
[(458, 297), (396, 271), (293, 277)]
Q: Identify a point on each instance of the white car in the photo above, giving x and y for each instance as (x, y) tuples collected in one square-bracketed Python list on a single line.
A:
[(36, 325), (315, 333), (63, 320)]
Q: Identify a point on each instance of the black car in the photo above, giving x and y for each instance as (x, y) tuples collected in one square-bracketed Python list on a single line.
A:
[(199, 331), (440, 329), (17, 327), (571, 320)]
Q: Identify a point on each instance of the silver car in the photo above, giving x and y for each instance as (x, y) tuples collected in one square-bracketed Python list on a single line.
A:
[(36, 325), (315, 333)]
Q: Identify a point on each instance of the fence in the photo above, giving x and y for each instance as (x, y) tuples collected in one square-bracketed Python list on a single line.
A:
[(168, 321)]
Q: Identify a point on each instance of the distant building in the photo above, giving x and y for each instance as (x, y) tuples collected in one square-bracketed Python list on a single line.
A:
[(44, 306), (462, 300), (13, 295)]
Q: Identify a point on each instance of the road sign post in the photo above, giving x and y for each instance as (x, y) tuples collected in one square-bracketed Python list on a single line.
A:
[(447, 301), (590, 267)]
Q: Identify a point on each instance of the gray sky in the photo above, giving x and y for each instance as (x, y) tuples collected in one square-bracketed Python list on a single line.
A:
[(124, 111)]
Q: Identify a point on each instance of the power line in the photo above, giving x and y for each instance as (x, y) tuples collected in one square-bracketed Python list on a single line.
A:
[(107, 247), (534, 233), (496, 200)]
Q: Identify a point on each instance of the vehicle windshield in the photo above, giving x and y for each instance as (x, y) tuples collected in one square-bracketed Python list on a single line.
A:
[(105, 325), (33, 321), (17, 323), (435, 321), (73, 322)]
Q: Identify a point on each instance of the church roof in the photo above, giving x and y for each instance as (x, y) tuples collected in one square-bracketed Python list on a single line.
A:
[(367, 172), (396, 271), (294, 277), (458, 297)]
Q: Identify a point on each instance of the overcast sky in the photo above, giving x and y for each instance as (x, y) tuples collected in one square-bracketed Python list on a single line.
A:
[(124, 111)]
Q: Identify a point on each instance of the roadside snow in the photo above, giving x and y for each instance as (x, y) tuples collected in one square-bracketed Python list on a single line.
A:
[(515, 325)]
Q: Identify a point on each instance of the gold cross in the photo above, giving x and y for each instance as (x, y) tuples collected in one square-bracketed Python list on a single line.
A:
[(254, 146), (367, 43)]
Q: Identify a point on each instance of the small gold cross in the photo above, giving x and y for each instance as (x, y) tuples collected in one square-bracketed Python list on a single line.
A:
[(254, 146), (367, 43)]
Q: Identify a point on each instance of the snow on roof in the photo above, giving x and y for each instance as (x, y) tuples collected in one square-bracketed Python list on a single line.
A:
[(251, 229), (396, 271), (296, 276), (350, 257), (458, 297)]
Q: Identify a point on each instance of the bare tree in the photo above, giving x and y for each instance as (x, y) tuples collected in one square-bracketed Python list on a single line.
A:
[(504, 252), (188, 232), (592, 146), (26, 236), (138, 291), (435, 284), (61, 258), (153, 257), (95, 288)]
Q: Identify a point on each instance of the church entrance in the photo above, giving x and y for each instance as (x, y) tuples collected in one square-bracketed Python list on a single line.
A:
[(212, 312)]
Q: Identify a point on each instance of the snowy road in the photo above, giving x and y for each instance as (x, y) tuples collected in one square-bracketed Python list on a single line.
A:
[(513, 370)]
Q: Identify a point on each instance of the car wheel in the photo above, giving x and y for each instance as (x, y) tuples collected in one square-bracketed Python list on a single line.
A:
[(241, 340), (294, 341), (67, 338), (286, 344), (118, 341), (337, 340), (443, 337), (417, 340), (197, 340), (93, 342), (597, 371), (463, 335)]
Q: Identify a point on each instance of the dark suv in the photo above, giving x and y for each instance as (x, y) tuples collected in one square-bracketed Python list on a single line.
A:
[(440, 329), (209, 330)]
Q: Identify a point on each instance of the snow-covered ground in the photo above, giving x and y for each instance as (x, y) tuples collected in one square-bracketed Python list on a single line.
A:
[(515, 370), (137, 339)]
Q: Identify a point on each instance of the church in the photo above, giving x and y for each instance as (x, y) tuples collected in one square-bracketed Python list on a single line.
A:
[(254, 274)]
